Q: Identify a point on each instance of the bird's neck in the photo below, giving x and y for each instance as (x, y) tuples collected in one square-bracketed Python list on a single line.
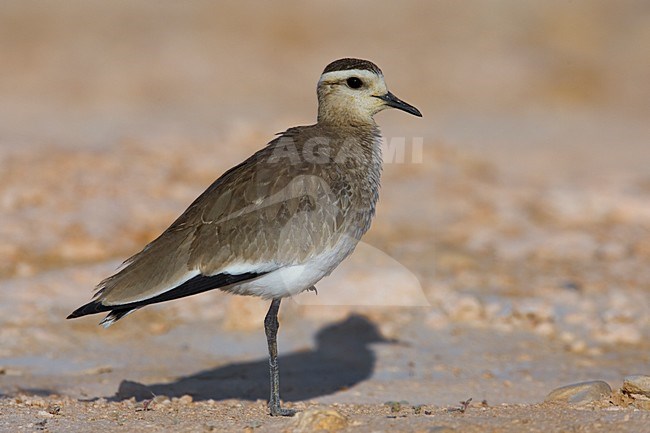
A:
[(343, 117), (357, 138)]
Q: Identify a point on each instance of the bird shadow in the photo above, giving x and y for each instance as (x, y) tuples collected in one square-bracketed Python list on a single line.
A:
[(342, 358)]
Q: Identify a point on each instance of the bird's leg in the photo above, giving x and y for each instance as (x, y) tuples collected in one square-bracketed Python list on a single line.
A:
[(271, 325)]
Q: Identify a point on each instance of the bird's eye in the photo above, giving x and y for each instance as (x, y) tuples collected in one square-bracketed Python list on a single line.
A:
[(354, 82)]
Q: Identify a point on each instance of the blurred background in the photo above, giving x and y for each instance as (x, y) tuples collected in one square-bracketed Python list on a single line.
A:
[(528, 214)]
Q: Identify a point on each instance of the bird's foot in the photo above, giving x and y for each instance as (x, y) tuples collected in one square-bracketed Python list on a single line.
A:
[(276, 410)]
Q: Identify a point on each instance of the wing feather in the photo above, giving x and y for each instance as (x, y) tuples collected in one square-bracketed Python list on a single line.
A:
[(198, 284)]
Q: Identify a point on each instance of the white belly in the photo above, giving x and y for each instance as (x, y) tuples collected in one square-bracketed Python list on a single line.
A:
[(291, 280)]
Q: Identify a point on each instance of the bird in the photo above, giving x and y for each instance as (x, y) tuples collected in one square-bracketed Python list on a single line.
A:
[(277, 223)]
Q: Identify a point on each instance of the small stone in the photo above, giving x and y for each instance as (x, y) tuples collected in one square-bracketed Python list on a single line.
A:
[(161, 399), (637, 384), (395, 406), (580, 393), (53, 409), (313, 420), (186, 399)]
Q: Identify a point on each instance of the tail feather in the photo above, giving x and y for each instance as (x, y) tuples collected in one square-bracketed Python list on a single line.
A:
[(114, 316), (198, 284), (93, 307)]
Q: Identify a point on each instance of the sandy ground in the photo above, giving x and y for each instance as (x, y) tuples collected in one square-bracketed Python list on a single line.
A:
[(509, 257)]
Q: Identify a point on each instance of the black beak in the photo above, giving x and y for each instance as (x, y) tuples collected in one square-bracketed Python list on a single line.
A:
[(393, 101)]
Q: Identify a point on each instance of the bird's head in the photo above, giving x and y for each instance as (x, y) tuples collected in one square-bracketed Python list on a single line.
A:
[(354, 90)]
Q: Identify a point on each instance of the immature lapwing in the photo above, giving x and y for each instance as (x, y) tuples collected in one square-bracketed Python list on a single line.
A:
[(277, 223)]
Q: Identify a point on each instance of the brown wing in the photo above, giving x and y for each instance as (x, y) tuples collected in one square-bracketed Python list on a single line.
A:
[(274, 209)]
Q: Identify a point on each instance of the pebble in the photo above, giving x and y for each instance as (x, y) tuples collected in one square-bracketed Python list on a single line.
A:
[(580, 393), (186, 399), (161, 399), (637, 384), (325, 420)]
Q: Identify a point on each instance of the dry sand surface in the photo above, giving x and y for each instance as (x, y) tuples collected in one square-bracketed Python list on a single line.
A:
[(508, 258)]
